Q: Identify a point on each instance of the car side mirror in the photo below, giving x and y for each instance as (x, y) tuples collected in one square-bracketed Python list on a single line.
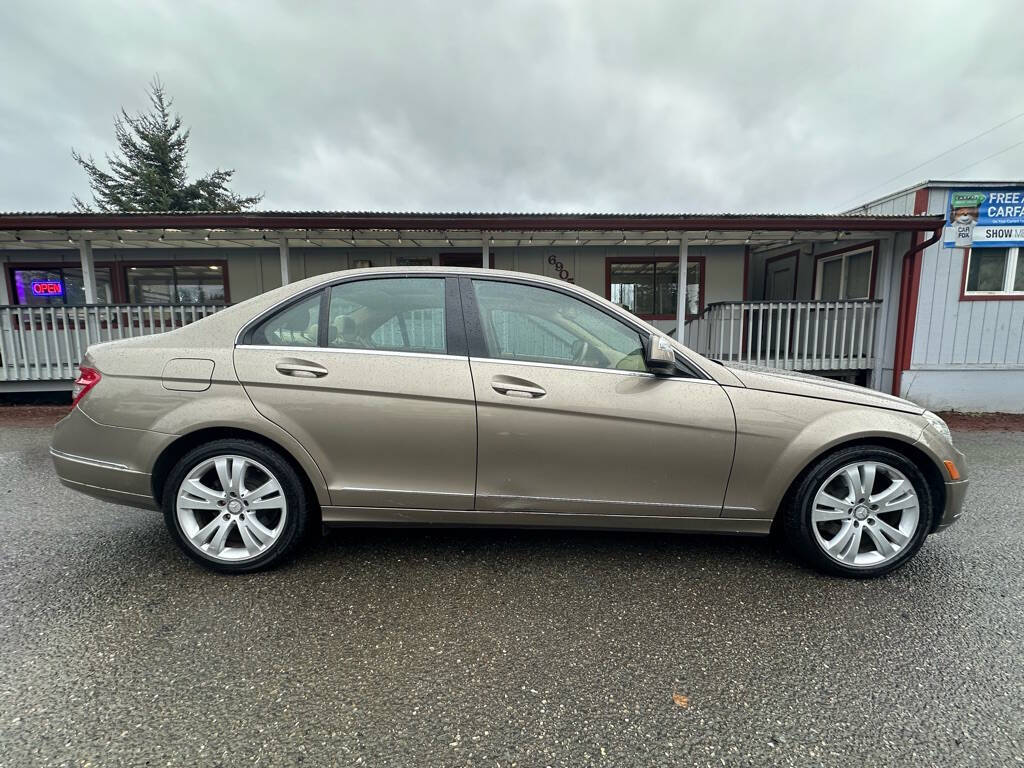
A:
[(660, 355)]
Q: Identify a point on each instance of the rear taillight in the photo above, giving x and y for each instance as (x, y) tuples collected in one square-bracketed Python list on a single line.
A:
[(87, 379)]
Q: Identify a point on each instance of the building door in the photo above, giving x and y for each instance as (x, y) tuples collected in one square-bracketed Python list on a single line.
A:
[(570, 421), (779, 285), (780, 279)]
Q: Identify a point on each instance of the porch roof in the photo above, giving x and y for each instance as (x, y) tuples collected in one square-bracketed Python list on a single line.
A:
[(170, 229)]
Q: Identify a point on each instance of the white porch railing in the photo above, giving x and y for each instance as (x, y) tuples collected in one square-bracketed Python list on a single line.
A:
[(797, 335), (47, 343)]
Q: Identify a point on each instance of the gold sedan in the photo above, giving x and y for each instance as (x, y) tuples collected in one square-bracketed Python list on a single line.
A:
[(423, 396)]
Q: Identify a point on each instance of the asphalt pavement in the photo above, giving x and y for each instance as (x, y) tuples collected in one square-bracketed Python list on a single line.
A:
[(503, 648)]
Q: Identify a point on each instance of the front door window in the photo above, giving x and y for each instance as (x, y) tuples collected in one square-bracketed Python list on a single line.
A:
[(529, 324)]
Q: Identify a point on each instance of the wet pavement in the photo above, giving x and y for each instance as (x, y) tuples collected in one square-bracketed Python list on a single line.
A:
[(501, 648)]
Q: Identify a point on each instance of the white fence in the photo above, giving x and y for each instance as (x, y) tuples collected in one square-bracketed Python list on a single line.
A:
[(797, 335), (47, 343)]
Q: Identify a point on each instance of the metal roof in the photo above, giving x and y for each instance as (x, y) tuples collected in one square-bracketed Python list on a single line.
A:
[(932, 184), (476, 221)]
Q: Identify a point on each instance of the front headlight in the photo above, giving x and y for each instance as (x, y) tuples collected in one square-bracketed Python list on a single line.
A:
[(938, 425)]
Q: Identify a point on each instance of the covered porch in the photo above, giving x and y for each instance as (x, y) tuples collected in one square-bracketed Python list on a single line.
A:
[(75, 279)]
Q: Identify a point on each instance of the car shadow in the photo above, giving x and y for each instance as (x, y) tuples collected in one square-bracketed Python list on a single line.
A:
[(554, 547)]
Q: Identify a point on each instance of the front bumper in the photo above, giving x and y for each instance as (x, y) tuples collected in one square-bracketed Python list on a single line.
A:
[(109, 463), (942, 451), (955, 493)]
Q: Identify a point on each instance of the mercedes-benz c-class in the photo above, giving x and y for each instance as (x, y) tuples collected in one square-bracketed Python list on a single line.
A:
[(431, 396)]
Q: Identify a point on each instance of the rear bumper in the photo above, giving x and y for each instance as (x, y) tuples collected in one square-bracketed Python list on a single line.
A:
[(109, 482), (109, 463)]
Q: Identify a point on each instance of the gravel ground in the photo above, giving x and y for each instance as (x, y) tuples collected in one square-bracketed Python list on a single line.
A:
[(502, 648)]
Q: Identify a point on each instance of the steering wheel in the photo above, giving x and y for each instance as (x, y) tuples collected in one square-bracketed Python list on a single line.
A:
[(579, 351)]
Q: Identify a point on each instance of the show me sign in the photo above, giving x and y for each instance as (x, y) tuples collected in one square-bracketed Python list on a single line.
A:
[(989, 218)]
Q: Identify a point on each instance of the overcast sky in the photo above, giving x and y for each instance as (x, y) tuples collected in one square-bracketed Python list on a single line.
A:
[(576, 105)]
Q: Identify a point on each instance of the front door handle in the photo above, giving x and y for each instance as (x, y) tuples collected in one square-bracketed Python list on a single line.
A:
[(301, 369), (517, 389)]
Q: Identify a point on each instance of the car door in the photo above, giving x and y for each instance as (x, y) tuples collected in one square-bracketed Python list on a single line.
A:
[(569, 419), (371, 375)]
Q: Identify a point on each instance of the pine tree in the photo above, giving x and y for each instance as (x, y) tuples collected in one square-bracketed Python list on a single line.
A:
[(150, 171)]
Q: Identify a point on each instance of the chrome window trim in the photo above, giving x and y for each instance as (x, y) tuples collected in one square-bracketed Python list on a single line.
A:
[(355, 350), (441, 272), (99, 463), (565, 367)]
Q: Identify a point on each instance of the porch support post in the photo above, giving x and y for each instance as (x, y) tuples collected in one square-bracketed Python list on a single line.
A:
[(88, 270), (5, 297), (486, 250), (684, 255), (285, 260)]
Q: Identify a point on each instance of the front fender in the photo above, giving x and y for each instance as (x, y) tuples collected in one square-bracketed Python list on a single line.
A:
[(779, 435)]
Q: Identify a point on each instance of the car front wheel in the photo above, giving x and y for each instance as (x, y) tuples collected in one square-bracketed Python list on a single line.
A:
[(862, 511), (235, 506)]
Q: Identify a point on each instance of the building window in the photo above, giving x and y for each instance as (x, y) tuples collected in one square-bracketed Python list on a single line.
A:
[(174, 284), (414, 261), (994, 272), (56, 284), (41, 286), (845, 276), (649, 287)]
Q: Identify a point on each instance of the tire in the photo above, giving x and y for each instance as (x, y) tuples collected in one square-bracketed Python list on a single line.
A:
[(825, 529), (254, 523)]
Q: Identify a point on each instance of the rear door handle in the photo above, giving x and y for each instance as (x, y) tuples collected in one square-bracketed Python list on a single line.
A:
[(517, 390), (301, 369)]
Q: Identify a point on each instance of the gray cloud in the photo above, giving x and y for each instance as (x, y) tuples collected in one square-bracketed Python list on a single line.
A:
[(521, 105)]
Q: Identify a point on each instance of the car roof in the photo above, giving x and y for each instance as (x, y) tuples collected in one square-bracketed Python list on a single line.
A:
[(428, 270)]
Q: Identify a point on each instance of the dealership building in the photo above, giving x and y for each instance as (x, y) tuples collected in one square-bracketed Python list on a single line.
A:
[(880, 296)]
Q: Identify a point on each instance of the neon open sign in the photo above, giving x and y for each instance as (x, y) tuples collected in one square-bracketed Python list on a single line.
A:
[(47, 288)]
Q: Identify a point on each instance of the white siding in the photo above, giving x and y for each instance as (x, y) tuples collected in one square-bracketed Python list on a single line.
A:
[(951, 333), (967, 355)]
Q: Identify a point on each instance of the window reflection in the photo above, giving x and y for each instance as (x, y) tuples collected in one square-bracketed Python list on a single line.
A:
[(59, 285), (649, 288), (175, 285)]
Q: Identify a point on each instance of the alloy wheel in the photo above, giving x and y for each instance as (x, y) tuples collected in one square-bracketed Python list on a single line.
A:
[(865, 514), (231, 508)]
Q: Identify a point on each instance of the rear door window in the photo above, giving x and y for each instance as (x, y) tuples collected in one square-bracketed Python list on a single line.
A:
[(402, 314)]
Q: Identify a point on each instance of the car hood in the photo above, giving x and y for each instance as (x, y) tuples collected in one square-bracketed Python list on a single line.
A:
[(806, 385)]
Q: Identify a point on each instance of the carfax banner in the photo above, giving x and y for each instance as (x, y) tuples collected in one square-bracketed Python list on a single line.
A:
[(985, 218)]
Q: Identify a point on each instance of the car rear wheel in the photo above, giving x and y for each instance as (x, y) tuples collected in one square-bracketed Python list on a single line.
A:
[(862, 511), (235, 506)]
